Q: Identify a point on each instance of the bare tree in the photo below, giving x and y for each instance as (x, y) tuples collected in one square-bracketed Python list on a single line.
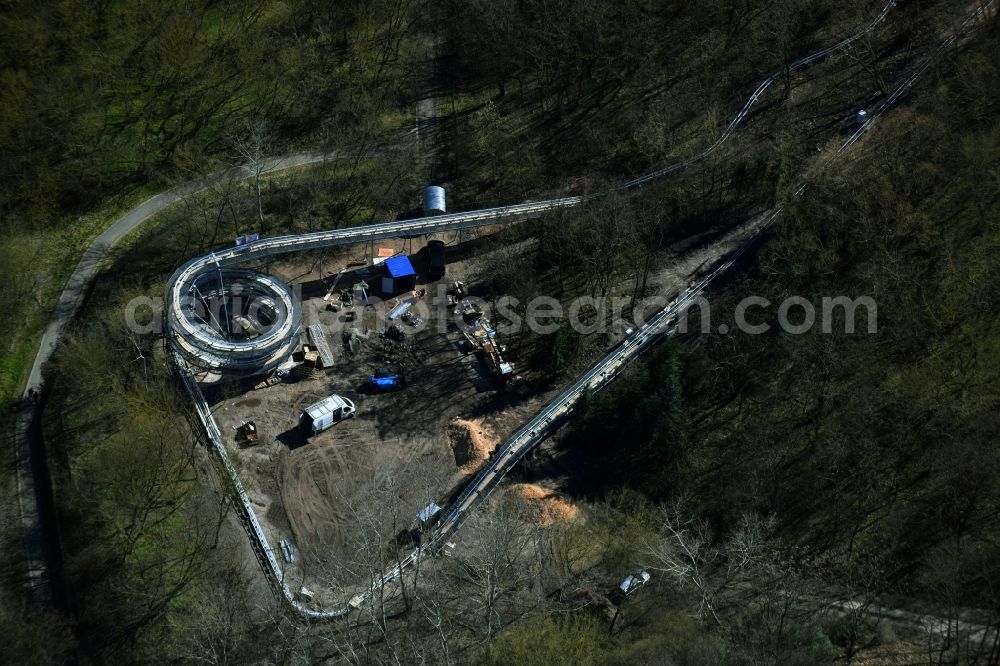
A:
[(686, 550), (252, 144), (496, 545)]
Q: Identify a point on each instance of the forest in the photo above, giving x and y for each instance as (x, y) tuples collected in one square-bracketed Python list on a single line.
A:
[(778, 488)]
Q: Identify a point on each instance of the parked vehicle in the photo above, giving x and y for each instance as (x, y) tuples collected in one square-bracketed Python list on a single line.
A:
[(318, 417), (633, 582), (384, 381)]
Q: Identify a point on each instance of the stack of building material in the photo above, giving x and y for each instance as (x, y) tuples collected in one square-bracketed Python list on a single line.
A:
[(318, 339), (398, 311), (304, 370), (287, 550)]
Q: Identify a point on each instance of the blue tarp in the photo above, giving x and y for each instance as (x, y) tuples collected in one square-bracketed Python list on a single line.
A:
[(428, 512), (385, 383), (399, 267)]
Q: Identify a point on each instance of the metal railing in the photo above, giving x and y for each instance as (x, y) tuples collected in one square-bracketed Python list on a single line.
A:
[(453, 221), (595, 379), (262, 546)]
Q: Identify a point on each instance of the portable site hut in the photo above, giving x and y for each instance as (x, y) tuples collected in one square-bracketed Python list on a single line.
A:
[(399, 276)]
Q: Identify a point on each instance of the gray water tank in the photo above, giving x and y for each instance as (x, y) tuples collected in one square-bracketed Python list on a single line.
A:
[(434, 200)]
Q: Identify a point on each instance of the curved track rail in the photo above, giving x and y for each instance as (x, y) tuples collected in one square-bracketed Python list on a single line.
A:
[(227, 295), (761, 89), (599, 376), (206, 350), (40, 539), (179, 283)]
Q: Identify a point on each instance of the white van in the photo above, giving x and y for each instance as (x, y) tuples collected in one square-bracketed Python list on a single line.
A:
[(320, 416)]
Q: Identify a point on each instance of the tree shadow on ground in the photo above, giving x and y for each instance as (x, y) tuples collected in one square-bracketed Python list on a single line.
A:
[(293, 438)]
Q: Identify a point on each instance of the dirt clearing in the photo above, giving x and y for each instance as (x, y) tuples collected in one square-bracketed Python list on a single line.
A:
[(544, 507), (471, 442)]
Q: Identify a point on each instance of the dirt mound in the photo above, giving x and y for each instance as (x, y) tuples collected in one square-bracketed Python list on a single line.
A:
[(545, 509), (471, 443)]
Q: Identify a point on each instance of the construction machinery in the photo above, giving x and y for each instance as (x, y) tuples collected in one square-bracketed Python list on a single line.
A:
[(246, 434), (481, 335)]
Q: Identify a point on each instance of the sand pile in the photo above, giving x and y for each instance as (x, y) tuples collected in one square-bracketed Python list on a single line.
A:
[(544, 508), (471, 443)]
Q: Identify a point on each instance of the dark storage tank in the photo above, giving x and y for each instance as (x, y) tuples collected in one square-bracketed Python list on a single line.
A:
[(436, 261)]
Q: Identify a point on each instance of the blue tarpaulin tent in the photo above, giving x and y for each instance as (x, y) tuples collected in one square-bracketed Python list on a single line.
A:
[(399, 275), (428, 512)]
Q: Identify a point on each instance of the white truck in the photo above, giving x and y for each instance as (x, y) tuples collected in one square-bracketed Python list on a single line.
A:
[(318, 417)]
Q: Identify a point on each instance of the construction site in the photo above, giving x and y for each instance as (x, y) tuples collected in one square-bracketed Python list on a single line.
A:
[(364, 400), (363, 397), (289, 408), (394, 390)]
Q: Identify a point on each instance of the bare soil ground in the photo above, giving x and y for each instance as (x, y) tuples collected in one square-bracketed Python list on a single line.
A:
[(428, 437), (471, 443), (421, 443), (545, 508)]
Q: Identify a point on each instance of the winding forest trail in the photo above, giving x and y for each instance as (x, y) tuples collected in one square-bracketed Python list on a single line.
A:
[(41, 538), (34, 492)]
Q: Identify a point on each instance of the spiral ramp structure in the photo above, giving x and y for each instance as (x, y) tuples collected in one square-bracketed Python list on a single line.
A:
[(606, 370), (229, 321)]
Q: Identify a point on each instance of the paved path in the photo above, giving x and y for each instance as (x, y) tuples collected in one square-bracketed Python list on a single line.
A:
[(33, 488)]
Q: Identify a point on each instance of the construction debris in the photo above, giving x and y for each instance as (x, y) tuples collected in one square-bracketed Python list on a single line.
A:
[(329, 293), (270, 380), (352, 338), (519, 386), (394, 332)]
